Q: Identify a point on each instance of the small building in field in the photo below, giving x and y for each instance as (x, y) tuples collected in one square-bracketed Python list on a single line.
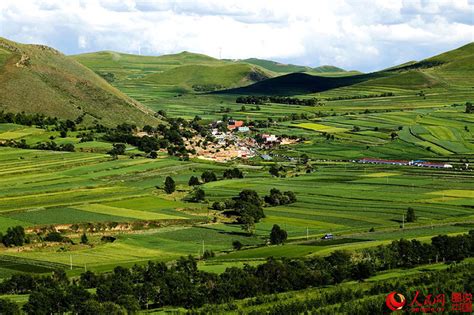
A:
[(244, 129)]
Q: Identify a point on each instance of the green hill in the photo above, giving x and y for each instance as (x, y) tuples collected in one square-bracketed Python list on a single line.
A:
[(276, 66), (40, 79), (447, 70), (208, 77), (289, 68), (183, 72), (128, 66)]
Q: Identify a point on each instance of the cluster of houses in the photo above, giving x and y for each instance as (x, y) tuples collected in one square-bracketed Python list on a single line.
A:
[(418, 163)]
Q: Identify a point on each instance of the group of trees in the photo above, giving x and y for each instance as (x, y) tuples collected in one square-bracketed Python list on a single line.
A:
[(210, 176), (49, 145), (22, 118), (183, 284), (260, 100), (233, 173), (248, 206), (15, 236), (353, 97), (170, 137), (276, 197)]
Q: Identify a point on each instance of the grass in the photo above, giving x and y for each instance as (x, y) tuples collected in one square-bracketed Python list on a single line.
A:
[(57, 86), (40, 188)]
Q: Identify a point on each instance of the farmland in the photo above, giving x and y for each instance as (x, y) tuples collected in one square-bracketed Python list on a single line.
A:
[(120, 203), (344, 198)]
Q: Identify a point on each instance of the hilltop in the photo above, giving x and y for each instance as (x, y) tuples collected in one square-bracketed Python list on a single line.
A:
[(290, 68), (182, 72), (188, 72), (40, 79), (452, 68)]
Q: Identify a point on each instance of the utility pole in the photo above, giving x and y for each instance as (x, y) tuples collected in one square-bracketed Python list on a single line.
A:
[(203, 247), (70, 261), (307, 234), (403, 221)]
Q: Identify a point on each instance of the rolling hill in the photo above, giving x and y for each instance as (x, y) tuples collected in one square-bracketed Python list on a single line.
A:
[(452, 68), (182, 72), (40, 79), (289, 68)]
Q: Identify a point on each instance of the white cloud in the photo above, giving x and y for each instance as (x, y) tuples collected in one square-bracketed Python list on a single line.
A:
[(358, 34)]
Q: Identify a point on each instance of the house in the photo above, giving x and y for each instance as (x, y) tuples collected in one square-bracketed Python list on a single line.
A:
[(266, 157), (236, 123), (244, 129), (269, 138)]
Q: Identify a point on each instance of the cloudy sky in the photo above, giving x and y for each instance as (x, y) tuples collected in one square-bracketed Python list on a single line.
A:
[(353, 34)]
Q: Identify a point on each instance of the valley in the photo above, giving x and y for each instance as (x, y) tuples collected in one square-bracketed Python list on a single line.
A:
[(99, 197)]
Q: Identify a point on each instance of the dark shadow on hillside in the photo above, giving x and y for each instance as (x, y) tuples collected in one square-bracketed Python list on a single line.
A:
[(301, 83)]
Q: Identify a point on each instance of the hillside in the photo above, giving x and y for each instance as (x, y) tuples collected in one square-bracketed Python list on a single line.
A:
[(129, 66), (174, 72), (40, 79), (207, 77), (452, 68), (289, 68)]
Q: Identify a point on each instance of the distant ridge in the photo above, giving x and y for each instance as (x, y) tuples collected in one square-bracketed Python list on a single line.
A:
[(455, 67), (289, 68)]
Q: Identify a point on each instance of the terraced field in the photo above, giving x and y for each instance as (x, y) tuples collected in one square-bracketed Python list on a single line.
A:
[(41, 188)]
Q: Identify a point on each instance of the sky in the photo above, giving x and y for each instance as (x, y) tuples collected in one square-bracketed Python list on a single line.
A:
[(353, 34)]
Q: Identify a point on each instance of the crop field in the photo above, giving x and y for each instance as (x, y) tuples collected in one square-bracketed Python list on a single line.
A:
[(42, 188)]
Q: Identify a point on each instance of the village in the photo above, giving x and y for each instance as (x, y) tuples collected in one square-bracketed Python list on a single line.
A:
[(233, 139)]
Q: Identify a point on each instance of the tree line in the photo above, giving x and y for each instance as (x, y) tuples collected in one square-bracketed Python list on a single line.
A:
[(182, 284), (355, 97), (260, 100)]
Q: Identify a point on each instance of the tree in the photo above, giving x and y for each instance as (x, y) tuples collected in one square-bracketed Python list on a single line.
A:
[(304, 158), (274, 170), (248, 224), (198, 195), (469, 108), (208, 176), (153, 155), (393, 135), (237, 245), (84, 239), (278, 235), (193, 181), (54, 237), (8, 307), (117, 149), (63, 134), (233, 173), (411, 217), (170, 185), (362, 270), (15, 236)]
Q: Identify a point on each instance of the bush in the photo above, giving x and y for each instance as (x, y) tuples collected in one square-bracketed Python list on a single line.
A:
[(54, 237), (237, 245), (15, 236)]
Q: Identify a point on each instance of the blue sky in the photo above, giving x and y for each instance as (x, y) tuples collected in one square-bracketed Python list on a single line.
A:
[(363, 35)]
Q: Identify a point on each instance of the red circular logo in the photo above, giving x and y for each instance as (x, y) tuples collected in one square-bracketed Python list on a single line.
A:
[(392, 302)]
